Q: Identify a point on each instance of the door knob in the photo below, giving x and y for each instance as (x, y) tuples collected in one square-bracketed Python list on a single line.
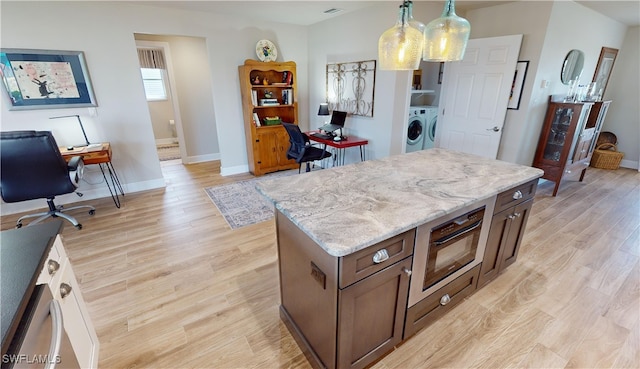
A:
[(494, 129)]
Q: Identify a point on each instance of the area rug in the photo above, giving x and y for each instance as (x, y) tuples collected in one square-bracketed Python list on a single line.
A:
[(241, 204), (168, 152)]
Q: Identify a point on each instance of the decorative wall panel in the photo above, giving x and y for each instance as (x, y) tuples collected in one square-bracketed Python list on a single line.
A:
[(350, 87)]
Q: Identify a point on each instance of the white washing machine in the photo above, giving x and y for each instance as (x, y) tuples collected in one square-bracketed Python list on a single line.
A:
[(432, 121), (419, 135)]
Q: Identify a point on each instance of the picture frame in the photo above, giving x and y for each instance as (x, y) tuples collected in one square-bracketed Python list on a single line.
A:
[(603, 69), (45, 79), (518, 85)]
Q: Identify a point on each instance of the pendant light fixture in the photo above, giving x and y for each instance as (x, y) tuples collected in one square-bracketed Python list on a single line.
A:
[(445, 38), (400, 47)]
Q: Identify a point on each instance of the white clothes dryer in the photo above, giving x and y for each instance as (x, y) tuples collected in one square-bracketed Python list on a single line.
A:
[(416, 128), (431, 120)]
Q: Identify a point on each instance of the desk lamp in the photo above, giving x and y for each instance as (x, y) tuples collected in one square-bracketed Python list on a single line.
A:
[(323, 110)]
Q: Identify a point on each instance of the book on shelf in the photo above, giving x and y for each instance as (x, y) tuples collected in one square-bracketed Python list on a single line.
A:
[(254, 97), (256, 120), (269, 102), (287, 96)]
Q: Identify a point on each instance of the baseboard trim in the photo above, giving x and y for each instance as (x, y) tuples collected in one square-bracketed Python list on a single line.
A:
[(630, 164), (98, 191), (201, 158), (229, 171)]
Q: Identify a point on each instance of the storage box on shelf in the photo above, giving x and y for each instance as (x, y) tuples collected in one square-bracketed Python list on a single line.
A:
[(268, 91)]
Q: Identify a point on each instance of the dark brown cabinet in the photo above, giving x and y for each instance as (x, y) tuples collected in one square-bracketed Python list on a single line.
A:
[(268, 91), (568, 138), (440, 302), (344, 312), (507, 229), (371, 316)]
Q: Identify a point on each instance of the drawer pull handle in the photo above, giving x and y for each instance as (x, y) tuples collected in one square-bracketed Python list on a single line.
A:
[(517, 215), (380, 256), (445, 299), (511, 217), (52, 266), (517, 195), (407, 271), (65, 290)]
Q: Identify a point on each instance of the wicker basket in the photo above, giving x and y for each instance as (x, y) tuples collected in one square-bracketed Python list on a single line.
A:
[(604, 158)]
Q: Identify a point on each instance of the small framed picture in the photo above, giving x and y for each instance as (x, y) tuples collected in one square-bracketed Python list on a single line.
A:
[(45, 79)]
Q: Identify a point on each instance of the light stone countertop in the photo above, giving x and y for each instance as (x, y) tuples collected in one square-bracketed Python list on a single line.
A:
[(348, 208)]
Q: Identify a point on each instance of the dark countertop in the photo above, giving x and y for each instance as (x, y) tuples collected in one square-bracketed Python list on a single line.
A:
[(23, 253)]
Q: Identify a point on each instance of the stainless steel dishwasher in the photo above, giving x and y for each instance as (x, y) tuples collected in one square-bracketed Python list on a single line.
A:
[(41, 341)]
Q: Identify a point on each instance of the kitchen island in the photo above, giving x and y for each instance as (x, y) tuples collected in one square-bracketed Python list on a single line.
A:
[(346, 241)]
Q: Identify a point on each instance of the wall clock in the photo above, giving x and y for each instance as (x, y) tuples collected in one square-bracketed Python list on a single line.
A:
[(266, 51)]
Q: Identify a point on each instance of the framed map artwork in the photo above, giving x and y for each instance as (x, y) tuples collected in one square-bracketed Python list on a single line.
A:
[(350, 87), (45, 79)]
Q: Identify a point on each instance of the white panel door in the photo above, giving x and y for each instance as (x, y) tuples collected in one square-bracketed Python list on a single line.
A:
[(475, 94)]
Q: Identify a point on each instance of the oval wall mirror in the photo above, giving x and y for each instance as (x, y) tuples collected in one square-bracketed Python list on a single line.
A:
[(572, 66)]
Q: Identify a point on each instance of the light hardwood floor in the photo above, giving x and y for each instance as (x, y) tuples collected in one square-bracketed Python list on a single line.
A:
[(169, 285)]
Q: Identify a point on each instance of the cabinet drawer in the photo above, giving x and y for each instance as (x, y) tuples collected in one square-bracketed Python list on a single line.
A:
[(75, 318), (515, 196), (96, 157), (436, 305), (363, 263), (56, 258)]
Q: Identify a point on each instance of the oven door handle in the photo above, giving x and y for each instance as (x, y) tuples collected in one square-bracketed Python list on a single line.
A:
[(57, 330), (459, 232)]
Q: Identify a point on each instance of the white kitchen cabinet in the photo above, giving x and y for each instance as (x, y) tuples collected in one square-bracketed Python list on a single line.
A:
[(58, 275)]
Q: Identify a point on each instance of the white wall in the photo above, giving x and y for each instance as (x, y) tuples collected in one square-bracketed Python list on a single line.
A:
[(104, 31), (550, 30), (530, 19), (123, 116), (623, 117), (354, 37)]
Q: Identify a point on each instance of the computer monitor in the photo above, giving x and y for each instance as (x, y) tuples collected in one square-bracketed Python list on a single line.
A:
[(337, 121)]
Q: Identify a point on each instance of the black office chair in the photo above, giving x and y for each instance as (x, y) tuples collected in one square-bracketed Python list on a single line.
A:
[(31, 167), (301, 149)]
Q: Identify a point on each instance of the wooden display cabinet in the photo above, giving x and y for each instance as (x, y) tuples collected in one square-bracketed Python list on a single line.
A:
[(566, 143), (268, 90), (597, 116)]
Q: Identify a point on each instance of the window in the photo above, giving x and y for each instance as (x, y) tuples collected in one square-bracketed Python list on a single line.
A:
[(154, 84)]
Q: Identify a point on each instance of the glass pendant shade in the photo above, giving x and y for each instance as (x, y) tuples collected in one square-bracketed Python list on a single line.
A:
[(412, 22), (445, 38), (400, 47)]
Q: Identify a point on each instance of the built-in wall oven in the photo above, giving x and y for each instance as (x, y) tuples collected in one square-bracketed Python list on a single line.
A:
[(446, 249)]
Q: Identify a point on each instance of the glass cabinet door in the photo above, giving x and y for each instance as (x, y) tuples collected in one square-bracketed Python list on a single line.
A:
[(558, 134)]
